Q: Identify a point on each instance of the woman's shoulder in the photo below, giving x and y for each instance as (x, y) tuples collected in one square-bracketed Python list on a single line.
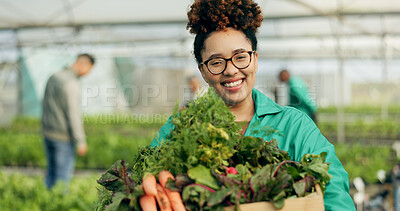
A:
[(295, 115), (266, 106), (289, 110)]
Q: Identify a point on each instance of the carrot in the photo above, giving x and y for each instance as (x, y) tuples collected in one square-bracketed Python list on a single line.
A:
[(163, 177), (163, 200), (148, 203), (149, 184), (175, 199)]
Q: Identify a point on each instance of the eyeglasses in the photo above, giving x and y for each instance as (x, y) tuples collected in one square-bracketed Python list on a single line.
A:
[(218, 65)]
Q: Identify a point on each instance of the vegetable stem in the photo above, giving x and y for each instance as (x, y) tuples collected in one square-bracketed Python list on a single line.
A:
[(203, 186), (280, 165)]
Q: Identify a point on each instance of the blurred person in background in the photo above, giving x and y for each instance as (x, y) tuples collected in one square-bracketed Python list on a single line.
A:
[(194, 84), (62, 124), (195, 89), (298, 94)]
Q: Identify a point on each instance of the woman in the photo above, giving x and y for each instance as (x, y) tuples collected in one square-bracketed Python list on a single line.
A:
[(225, 49)]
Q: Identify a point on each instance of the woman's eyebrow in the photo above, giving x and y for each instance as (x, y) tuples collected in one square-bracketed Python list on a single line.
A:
[(240, 50), (216, 55)]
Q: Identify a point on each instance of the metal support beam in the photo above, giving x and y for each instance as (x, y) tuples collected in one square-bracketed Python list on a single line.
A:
[(385, 93), (20, 109), (340, 61), (184, 21)]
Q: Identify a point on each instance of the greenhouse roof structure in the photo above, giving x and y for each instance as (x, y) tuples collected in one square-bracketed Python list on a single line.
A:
[(19, 14), (292, 28)]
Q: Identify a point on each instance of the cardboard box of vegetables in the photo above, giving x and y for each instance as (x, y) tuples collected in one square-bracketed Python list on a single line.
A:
[(206, 164)]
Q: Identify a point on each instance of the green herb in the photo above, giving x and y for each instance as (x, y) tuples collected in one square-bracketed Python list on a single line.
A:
[(256, 152), (204, 134), (146, 159)]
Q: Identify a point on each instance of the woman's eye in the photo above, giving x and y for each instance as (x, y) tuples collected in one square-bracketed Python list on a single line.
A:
[(215, 62), (241, 57)]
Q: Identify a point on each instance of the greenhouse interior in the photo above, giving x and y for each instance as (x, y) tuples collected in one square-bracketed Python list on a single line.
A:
[(346, 51)]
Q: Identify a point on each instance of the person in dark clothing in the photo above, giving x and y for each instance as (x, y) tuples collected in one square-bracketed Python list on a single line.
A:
[(62, 125)]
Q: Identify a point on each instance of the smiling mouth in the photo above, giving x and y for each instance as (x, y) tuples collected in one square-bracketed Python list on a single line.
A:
[(233, 84)]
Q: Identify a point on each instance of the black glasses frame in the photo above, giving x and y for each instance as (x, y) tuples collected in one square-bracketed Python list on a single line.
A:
[(226, 62)]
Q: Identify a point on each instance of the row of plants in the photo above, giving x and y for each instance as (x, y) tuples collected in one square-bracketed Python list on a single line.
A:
[(21, 192), (114, 138), (130, 127), (22, 144), (365, 109), (100, 122), (366, 160), (359, 131)]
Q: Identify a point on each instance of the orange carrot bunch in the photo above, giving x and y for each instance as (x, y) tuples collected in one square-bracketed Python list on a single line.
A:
[(155, 193)]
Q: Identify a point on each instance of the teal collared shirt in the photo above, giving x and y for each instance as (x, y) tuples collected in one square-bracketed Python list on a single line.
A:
[(299, 136)]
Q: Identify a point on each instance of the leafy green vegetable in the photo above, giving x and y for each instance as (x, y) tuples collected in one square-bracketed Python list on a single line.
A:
[(256, 152), (202, 176), (244, 173), (116, 178), (304, 185), (219, 196), (126, 192), (315, 165), (267, 186), (195, 196)]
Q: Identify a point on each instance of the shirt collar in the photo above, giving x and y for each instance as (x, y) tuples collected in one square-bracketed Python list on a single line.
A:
[(263, 104)]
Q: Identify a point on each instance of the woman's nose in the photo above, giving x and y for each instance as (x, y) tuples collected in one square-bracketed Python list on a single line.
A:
[(230, 69)]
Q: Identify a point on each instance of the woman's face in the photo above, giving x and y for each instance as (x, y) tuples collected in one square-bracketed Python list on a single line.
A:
[(233, 85)]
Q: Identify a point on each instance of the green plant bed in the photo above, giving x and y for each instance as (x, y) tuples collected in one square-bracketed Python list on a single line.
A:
[(395, 109), (103, 150), (365, 161), (21, 149), (22, 144), (21, 192), (359, 130)]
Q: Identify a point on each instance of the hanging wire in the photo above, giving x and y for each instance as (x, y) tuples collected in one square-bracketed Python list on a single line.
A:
[(68, 11), (63, 11)]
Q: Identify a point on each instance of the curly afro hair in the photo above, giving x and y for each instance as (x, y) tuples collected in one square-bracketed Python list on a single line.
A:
[(212, 15), (207, 16)]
